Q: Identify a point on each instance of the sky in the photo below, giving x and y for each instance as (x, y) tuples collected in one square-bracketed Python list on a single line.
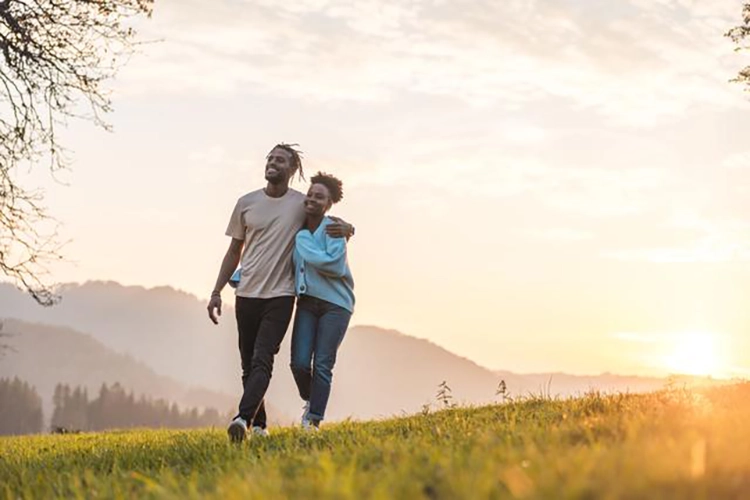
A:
[(536, 185)]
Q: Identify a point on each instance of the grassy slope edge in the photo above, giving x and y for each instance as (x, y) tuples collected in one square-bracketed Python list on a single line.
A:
[(673, 443)]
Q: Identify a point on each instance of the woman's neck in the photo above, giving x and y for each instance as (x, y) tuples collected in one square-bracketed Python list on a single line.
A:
[(313, 222)]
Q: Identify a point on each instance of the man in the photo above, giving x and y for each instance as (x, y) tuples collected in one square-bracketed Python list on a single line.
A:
[(262, 227)]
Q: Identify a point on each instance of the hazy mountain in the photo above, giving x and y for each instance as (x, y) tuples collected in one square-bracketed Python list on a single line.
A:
[(47, 355), (166, 329), (379, 372), (563, 384)]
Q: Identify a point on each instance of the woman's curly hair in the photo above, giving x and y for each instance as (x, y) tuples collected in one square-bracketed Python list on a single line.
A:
[(334, 185)]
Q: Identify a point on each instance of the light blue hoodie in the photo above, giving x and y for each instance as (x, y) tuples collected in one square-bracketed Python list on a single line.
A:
[(321, 269)]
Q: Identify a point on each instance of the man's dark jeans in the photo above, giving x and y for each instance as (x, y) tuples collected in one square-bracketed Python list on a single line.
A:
[(319, 328), (262, 324)]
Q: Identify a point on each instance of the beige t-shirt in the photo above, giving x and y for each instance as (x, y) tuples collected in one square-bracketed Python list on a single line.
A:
[(267, 226)]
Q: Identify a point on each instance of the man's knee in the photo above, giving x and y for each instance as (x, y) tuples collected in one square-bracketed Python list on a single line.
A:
[(262, 362)]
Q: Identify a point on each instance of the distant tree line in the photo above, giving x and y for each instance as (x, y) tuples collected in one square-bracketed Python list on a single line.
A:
[(20, 408), (115, 408), (112, 408)]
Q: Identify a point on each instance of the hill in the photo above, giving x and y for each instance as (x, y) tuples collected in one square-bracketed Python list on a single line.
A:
[(670, 444), (380, 372), (46, 355)]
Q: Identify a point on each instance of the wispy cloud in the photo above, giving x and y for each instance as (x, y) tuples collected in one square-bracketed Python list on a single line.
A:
[(635, 62), (588, 191), (738, 161), (718, 241), (561, 234), (704, 214), (644, 338)]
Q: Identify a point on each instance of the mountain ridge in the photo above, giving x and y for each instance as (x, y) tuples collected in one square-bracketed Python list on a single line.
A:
[(380, 372), (47, 355)]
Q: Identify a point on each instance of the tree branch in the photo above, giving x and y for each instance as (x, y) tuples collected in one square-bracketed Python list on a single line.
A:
[(52, 54)]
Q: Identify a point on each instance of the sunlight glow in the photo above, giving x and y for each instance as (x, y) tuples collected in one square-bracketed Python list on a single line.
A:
[(695, 353)]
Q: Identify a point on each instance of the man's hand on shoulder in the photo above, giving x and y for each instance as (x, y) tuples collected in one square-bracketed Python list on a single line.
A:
[(339, 228), (214, 308)]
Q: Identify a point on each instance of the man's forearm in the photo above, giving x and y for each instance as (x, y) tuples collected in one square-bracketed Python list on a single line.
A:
[(340, 228), (228, 265)]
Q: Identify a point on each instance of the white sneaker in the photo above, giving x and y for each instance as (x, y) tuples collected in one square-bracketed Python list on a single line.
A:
[(305, 412), (237, 430), (309, 426), (260, 431)]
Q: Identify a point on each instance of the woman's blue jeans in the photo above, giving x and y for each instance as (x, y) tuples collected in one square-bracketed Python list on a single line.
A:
[(319, 328)]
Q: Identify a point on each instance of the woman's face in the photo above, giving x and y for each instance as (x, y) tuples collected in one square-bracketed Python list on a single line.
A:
[(318, 200)]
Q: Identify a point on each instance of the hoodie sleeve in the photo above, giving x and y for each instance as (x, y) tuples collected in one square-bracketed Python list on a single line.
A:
[(329, 261)]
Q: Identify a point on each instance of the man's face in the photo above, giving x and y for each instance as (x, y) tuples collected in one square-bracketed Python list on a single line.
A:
[(279, 167)]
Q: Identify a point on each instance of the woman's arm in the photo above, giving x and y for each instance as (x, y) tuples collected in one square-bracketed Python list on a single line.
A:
[(330, 261)]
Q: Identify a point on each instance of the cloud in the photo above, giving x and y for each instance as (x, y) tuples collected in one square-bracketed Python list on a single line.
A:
[(593, 192), (738, 161), (534, 73), (636, 63), (699, 216), (561, 234), (211, 165), (718, 241), (644, 338)]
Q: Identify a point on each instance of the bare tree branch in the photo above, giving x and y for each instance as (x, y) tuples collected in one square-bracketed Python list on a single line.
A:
[(54, 56), (740, 35)]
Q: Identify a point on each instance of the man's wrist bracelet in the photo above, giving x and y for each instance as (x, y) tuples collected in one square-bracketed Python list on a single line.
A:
[(216, 293)]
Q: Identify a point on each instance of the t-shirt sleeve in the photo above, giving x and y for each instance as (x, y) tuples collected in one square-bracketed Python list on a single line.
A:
[(236, 227)]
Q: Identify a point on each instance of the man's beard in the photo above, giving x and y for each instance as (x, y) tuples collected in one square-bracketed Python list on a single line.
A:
[(277, 179)]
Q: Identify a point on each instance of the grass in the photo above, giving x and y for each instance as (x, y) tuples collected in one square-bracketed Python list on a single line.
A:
[(670, 444)]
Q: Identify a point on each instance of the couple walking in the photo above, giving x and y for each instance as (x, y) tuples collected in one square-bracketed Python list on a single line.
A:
[(287, 248)]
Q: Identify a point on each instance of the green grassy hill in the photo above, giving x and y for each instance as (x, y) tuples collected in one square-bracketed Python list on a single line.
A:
[(671, 444)]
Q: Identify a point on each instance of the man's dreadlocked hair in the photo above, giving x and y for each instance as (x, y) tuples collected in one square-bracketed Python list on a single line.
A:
[(296, 157), (334, 185)]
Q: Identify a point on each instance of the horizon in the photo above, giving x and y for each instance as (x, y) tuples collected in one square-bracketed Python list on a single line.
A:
[(559, 189), (169, 288)]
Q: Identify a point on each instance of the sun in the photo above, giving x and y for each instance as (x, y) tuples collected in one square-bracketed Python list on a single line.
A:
[(695, 353)]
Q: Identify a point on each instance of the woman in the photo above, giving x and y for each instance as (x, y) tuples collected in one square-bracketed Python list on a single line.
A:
[(325, 303)]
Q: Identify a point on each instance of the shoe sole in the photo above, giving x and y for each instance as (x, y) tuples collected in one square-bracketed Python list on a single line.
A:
[(236, 433)]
